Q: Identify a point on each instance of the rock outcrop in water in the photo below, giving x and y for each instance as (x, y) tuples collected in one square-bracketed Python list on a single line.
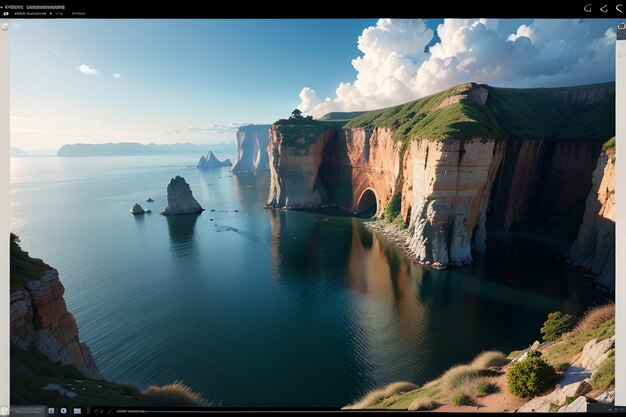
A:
[(252, 154), (594, 249), (137, 209), (451, 165), (180, 199), (39, 318), (211, 161)]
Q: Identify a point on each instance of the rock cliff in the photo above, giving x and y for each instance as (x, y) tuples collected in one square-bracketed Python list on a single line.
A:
[(180, 199), (594, 249), (211, 161), (451, 165), (252, 154), (39, 317)]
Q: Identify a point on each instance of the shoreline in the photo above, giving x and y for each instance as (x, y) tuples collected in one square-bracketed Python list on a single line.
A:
[(401, 238)]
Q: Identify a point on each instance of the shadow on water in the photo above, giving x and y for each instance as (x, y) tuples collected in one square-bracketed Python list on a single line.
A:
[(181, 228)]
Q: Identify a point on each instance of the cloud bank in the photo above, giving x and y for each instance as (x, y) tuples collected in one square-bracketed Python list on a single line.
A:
[(398, 65)]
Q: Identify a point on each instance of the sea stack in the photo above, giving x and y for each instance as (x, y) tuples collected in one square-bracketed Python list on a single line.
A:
[(180, 198), (137, 209), (211, 161), (252, 156)]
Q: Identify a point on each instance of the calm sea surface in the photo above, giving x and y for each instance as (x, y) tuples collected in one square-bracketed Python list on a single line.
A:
[(265, 308)]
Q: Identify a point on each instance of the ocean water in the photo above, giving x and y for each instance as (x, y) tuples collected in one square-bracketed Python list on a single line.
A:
[(259, 308)]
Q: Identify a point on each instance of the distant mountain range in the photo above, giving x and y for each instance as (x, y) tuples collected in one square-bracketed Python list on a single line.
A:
[(18, 152), (138, 149)]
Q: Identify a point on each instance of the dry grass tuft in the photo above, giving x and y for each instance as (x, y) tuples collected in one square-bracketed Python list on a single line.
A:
[(594, 317), (490, 358), (424, 404), (459, 377), (399, 387), (376, 397), (175, 394)]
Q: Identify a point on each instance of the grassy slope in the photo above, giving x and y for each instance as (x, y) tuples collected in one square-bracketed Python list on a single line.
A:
[(609, 145), (566, 349), (23, 267), (510, 113)]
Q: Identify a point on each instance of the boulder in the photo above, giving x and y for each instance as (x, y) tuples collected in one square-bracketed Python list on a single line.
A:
[(594, 353), (137, 209), (150, 200), (180, 199), (211, 161), (579, 405), (558, 397)]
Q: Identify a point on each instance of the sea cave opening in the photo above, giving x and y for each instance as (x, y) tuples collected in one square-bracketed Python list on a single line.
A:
[(367, 205)]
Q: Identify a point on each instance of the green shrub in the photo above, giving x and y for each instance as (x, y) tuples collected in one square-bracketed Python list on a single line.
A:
[(530, 377), (461, 398), (604, 376), (393, 207), (490, 358), (556, 324), (534, 353), (485, 387)]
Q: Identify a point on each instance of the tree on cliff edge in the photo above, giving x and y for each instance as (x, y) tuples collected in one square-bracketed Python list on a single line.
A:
[(296, 115)]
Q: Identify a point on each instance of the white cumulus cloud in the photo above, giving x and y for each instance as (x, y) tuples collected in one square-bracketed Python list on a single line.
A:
[(397, 66), (86, 69), (117, 76)]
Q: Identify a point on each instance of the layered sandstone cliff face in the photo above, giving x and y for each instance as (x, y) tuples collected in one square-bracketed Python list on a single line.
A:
[(252, 156), (445, 199), (361, 161), (295, 156), (39, 317), (594, 249)]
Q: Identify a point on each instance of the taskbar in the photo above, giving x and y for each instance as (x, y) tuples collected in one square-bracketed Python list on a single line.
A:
[(67, 411)]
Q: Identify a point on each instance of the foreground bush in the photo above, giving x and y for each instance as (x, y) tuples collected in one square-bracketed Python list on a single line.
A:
[(556, 324), (176, 394), (530, 377)]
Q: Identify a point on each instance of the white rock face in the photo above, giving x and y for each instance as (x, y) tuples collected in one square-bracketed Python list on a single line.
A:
[(594, 353), (180, 198), (137, 209), (579, 405), (211, 161), (558, 397), (450, 185), (252, 154)]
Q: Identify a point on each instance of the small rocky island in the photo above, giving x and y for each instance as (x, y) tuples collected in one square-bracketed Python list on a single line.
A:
[(211, 161), (137, 209), (180, 199)]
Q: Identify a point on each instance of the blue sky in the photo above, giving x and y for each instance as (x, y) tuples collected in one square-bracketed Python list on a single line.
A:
[(175, 75), (195, 80)]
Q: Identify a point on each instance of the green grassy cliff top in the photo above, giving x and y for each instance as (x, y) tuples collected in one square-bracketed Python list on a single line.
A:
[(568, 113)]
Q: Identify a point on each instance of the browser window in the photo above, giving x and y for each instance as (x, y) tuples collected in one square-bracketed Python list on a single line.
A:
[(327, 215)]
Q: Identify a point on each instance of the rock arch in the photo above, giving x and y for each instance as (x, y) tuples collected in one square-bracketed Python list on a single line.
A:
[(368, 203)]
